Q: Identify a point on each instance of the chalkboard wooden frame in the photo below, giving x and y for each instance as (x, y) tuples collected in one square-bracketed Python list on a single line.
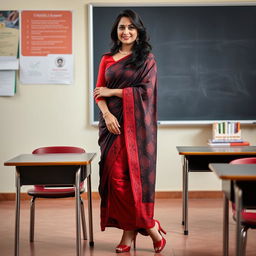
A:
[(231, 77)]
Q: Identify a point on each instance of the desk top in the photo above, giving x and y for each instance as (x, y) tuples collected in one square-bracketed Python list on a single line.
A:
[(234, 171), (221, 150), (51, 159)]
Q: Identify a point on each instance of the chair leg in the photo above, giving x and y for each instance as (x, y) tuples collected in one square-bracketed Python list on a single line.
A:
[(83, 219), (32, 219), (244, 239)]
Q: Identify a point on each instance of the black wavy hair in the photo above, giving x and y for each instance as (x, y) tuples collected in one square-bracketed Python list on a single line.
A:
[(141, 47)]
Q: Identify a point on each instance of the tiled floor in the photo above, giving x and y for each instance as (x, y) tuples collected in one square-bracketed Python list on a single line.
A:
[(55, 230)]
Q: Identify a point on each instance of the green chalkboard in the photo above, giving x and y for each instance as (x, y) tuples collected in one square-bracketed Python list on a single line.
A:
[(206, 57)]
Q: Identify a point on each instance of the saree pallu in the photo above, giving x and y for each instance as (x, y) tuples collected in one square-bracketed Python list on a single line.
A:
[(131, 155)]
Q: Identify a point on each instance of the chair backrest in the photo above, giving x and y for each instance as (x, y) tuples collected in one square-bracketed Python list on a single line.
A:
[(248, 218), (247, 160), (58, 150)]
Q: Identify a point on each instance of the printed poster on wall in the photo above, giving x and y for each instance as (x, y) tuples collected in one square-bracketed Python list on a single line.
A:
[(9, 33), (9, 41), (46, 55)]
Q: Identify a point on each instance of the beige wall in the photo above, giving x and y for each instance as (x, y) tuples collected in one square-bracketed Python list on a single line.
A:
[(40, 115)]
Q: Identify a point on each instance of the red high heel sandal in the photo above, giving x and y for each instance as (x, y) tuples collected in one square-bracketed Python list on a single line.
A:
[(159, 245), (126, 248)]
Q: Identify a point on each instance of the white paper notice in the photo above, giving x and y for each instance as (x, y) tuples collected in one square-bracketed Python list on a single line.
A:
[(7, 83), (9, 63), (52, 69)]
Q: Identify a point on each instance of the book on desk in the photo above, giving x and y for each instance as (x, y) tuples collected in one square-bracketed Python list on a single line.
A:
[(227, 134)]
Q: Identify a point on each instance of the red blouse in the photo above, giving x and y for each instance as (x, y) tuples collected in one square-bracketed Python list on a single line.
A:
[(106, 61)]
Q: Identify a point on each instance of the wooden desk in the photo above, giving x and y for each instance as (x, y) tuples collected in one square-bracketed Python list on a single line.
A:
[(197, 159), (237, 175), (54, 169)]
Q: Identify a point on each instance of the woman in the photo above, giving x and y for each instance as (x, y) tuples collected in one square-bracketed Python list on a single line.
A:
[(126, 95)]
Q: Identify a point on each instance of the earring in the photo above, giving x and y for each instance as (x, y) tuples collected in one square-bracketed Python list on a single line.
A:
[(118, 42), (137, 40)]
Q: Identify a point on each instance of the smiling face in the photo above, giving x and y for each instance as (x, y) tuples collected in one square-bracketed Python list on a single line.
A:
[(126, 31)]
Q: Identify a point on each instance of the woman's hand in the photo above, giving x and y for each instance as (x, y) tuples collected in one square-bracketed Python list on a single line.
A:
[(112, 123), (102, 92), (106, 92)]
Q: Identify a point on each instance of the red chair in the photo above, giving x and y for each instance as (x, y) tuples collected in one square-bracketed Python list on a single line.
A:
[(54, 192), (248, 216)]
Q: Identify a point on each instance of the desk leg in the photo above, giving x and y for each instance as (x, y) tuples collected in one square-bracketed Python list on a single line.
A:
[(183, 189), (239, 203), (78, 208), (89, 195), (185, 196), (17, 216), (225, 225)]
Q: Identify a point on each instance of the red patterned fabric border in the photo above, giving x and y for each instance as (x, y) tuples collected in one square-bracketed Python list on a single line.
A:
[(131, 146)]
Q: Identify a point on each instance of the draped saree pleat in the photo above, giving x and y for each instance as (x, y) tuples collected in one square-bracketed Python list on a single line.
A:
[(128, 160)]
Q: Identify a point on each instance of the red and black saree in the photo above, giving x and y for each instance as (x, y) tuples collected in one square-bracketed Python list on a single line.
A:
[(128, 161)]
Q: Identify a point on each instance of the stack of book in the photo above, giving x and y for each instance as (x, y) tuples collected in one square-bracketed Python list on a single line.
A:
[(227, 134)]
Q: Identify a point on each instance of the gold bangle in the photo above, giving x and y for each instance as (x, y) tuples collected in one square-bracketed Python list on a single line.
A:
[(105, 114)]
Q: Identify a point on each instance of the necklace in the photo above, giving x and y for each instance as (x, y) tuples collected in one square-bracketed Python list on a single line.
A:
[(124, 53)]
